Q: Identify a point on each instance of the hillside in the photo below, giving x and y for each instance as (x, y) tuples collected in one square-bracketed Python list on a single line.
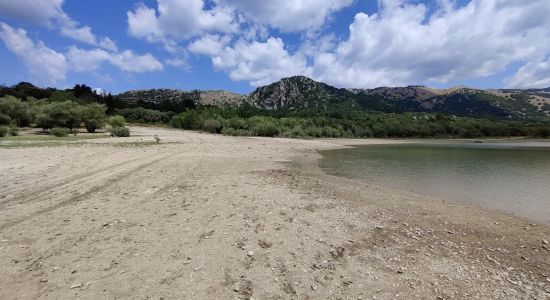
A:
[(178, 100), (302, 92)]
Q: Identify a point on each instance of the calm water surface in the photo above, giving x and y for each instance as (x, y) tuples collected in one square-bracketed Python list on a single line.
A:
[(514, 177)]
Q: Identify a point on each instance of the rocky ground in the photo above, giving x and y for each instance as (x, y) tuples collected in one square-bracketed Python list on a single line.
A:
[(212, 217)]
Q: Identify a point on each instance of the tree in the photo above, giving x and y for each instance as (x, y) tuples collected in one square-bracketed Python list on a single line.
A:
[(65, 114), (93, 116), (16, 110), (117, 121)]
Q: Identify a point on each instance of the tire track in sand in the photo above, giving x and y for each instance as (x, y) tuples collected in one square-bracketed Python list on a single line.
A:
[(104, 179)]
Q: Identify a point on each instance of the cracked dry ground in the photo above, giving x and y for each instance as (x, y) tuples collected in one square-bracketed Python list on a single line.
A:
[(204, 216)]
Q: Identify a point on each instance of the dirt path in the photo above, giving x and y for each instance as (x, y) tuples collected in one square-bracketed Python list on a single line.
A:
[(212, 217)]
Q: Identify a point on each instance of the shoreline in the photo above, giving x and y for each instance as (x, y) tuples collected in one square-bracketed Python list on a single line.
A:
[(207, 216)]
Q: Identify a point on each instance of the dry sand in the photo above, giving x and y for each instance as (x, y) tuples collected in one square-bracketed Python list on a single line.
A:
[(212, 217)]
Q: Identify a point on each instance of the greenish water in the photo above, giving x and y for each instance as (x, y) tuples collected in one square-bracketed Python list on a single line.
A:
[(513, 177)]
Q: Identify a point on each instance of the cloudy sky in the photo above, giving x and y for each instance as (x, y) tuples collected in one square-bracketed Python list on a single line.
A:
[(240, 44)]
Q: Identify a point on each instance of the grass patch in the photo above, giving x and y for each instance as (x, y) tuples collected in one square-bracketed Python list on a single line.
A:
[(40, 140)]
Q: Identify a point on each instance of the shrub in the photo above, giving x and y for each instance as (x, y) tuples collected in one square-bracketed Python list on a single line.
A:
[(268, 129), (64, 114), (93, 116), (212, 126), (238, 123), (147, 116), (59, 132), (236, 132), (44, 121), (16, 110), (188, 120), (117, 121), (13, 130), (4, 119), (120, 131), (3, 131)]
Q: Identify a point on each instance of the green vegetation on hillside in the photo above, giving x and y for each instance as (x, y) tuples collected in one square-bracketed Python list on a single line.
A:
[(296, 107), (247, 121)]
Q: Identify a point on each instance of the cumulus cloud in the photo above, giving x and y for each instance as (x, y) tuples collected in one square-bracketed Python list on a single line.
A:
[(402, 44), (128, 61), (83, 60), (50, 13), (259, 62), (209, 44), (49, 66), (175, 20), (43, 13), (532, 75), (288, 15), (43, 63)]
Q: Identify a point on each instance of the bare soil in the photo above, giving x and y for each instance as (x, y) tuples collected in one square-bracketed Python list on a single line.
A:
[(211, 217)]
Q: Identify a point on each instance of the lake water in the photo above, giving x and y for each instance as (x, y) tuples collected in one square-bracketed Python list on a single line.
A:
[(513, 177)]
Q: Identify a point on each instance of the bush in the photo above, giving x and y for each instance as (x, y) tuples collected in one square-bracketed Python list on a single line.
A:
[(188, 120), (146, 116), (13, 131), (120, 131), (268, 129), (93, 116), (4, 119), (212, 126), (3, 131), (59, 132), (238, 123), (117, 121), (16, 110), (64, 114)]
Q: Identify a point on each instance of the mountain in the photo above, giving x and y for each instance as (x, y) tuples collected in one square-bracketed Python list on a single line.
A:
[(177, 100), (299, 92), (302, 92)]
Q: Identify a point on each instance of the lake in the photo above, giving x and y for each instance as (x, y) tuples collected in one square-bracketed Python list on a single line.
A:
[(513, 177)]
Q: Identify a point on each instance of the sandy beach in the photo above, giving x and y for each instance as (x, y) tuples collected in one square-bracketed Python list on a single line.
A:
[(203, 216)]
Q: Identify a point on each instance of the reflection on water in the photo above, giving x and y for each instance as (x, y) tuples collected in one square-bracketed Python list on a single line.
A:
[(513, 177)]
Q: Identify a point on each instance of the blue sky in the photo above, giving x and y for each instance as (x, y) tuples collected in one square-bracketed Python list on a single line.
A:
[(237, 45)]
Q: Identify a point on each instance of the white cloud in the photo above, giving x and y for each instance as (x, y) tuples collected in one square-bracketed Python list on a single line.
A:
[(288, 15), (532, 75), (49, 66), (82, 34), (259, 63), (175, 20), (43, 63), (108, 44), (209, 44), (50, 13), (128, 61), (43, 12), (86, 60), (402, 44)]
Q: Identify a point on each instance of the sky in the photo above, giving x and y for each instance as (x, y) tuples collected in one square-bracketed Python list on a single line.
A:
[(238, 45)]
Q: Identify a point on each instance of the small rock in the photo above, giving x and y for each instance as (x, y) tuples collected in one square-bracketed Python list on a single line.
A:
[(545, 242), (250, 253), (313, 287), (198, 268), (76, 286)]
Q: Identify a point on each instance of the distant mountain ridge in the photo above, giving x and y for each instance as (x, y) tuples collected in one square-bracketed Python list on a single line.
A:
[(300, 92)]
